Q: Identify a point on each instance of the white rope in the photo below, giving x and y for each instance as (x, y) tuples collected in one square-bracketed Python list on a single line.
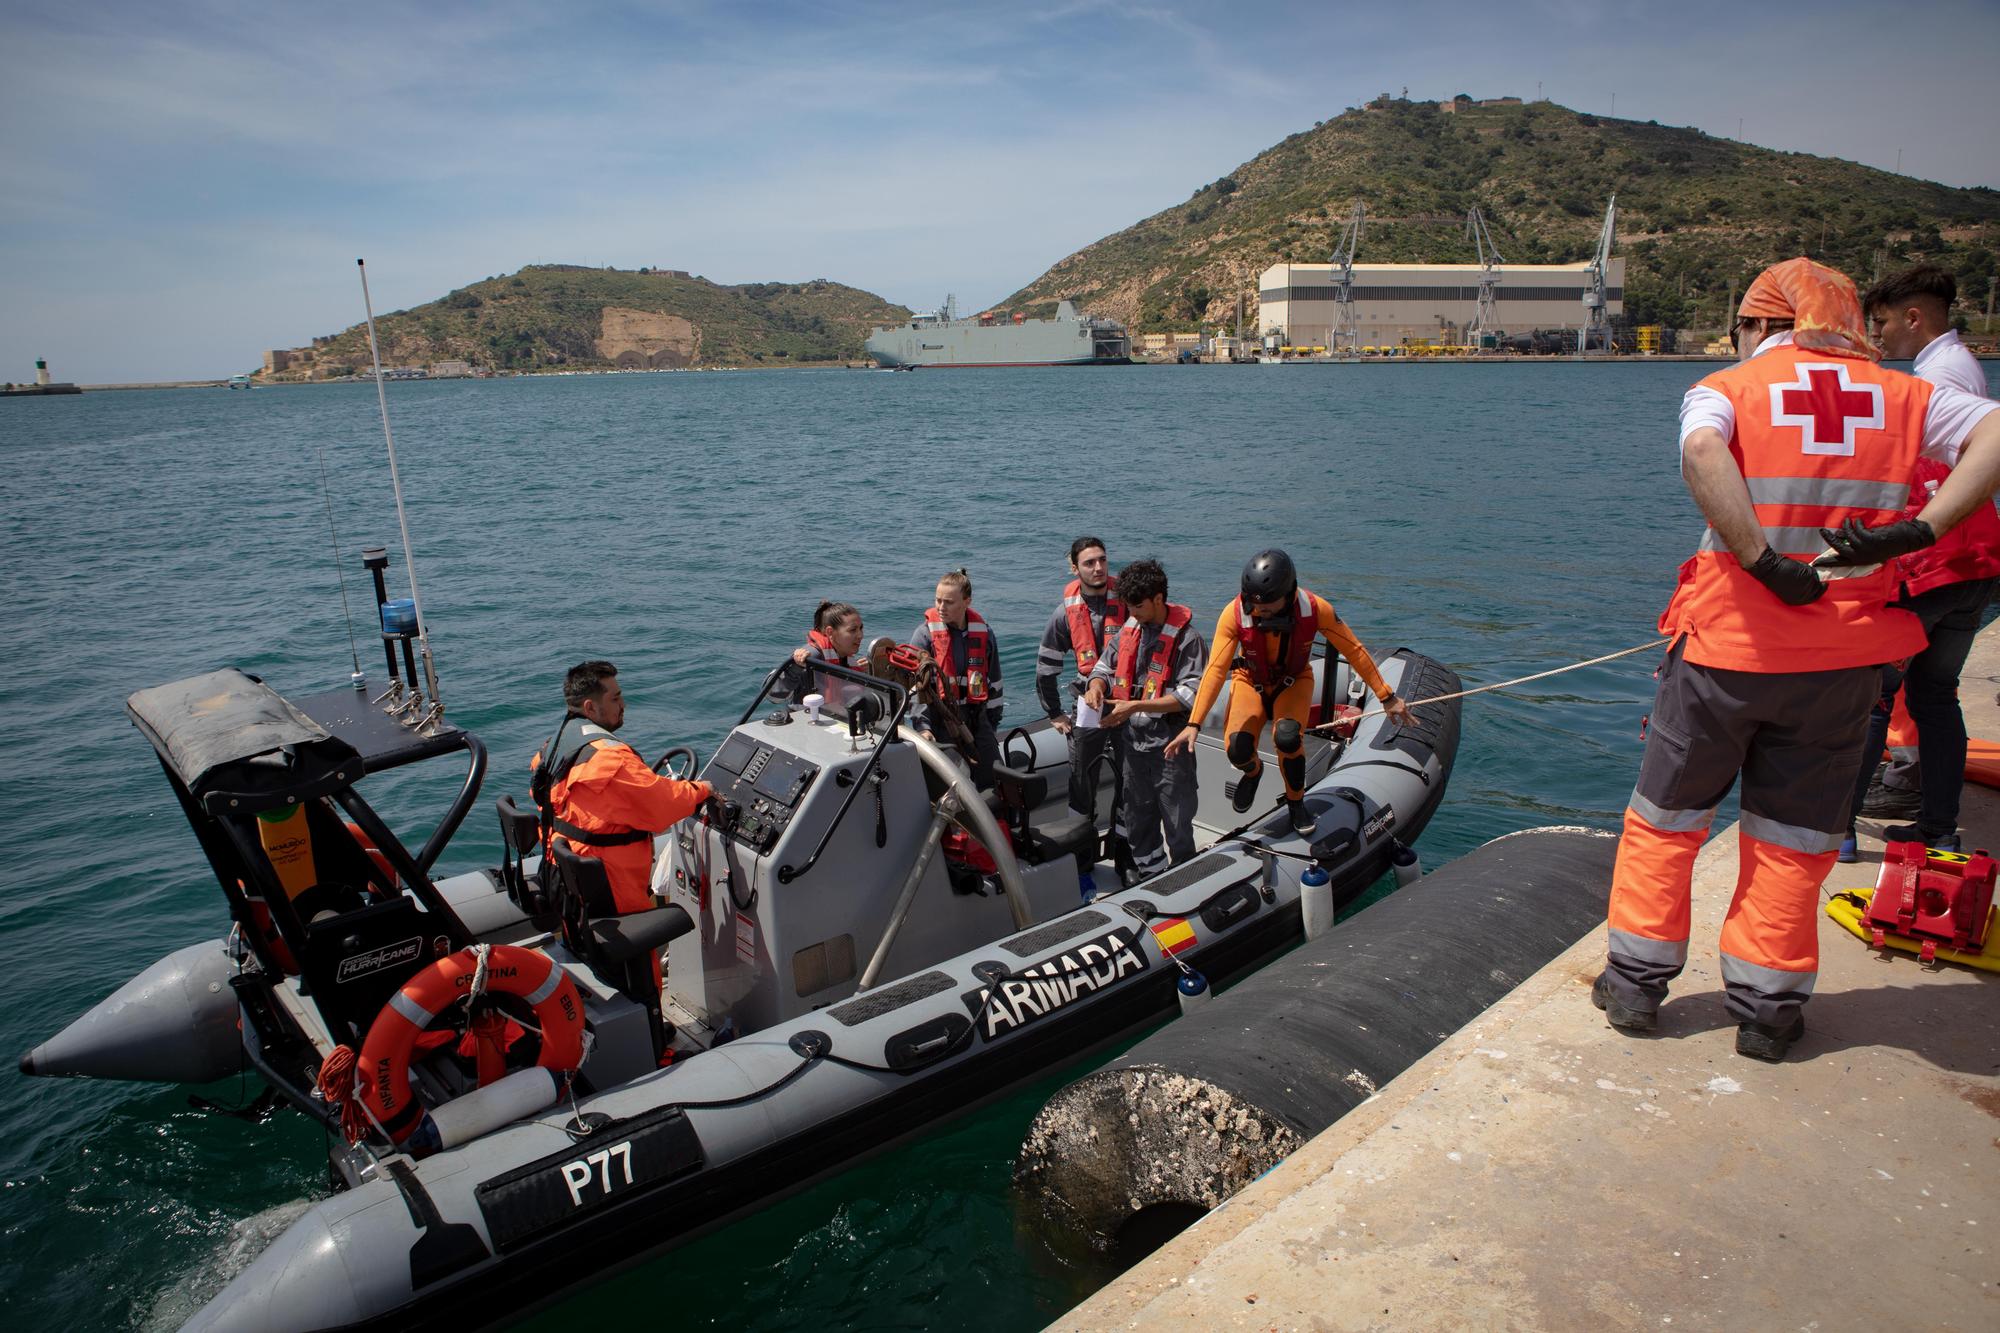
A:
[(481, 953), (1504, 684)]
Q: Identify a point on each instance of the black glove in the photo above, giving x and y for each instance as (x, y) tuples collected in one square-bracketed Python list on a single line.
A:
[(1790, 581), (1855, 544)]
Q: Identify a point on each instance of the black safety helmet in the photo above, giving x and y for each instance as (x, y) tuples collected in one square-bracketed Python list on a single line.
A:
[(1269, 575)]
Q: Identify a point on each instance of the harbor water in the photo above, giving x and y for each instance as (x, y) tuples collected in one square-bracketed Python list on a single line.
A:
[(1504, 519)]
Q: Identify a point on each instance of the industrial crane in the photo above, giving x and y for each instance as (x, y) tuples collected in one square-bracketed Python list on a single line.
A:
[(1345, 336), (1597, 322), (1487, 320)]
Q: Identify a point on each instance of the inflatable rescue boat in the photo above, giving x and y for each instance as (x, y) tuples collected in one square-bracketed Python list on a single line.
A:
[(857, 945)]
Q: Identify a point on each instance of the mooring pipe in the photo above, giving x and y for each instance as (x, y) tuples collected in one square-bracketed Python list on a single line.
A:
[(1215, 1099)]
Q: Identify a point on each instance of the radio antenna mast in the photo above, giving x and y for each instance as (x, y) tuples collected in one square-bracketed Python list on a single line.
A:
[(402, 517)]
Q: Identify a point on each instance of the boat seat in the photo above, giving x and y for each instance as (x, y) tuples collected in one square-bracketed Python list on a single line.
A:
[(520, 838), (618, 948), (1038, 843)]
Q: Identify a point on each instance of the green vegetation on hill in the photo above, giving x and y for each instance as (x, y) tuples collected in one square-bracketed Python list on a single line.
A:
[(1697, 216), (554, 315)]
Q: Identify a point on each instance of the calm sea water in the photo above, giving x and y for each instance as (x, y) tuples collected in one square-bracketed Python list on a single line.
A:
[(1505, 519)]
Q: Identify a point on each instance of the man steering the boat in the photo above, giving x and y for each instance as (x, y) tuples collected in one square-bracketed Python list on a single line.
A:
[(968, 662), (598, 795), (1083, 626), (1806, 444), (1263, 645)]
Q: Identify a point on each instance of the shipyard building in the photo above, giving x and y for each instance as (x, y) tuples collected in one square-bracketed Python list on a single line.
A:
[(1396, 304)]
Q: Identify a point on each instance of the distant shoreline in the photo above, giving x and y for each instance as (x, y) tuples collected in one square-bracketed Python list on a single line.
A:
[(1568, 360)]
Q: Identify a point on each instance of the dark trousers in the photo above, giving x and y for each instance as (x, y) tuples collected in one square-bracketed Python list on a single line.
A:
[(1158, 813), (1791, 737), (1930, 685), (1092, 753)]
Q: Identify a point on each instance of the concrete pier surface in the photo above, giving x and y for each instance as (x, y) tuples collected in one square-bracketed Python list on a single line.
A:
[(1541, 1170)]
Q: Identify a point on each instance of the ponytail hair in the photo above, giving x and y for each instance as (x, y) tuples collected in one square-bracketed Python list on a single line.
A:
[(830, 614), (962, 579)]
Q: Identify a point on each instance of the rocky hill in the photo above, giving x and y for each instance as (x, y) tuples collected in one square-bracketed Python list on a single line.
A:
[(557, 315), (1697, 215)]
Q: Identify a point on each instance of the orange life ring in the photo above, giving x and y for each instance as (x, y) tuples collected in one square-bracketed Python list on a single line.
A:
[(384, 1067)]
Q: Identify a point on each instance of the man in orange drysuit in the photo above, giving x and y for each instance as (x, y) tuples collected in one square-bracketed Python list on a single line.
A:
[(1805, 444), (602, 799), (1263, 643)]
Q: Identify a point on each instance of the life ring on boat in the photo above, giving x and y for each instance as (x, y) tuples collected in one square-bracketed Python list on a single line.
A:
[(384, 1066)]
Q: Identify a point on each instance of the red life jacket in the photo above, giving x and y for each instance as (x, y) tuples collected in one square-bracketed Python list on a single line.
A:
[(967, 684), (1969, 551), (820, 641), (1157, 666), (1296, 643), (1082, 638)]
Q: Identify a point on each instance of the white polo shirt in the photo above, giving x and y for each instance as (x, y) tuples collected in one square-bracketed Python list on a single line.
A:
[(1946, 363)]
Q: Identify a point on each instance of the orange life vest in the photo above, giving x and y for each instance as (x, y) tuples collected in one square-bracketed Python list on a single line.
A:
[(1295, 645), (1082, 638), (819, 640), (1820, 440), (1162, 657), (966, 684)]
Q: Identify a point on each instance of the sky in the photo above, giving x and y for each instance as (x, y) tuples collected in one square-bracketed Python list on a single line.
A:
[(188, 184)]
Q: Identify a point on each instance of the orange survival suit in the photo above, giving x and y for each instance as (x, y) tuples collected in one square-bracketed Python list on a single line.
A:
[(605, 802), (1270, 674)]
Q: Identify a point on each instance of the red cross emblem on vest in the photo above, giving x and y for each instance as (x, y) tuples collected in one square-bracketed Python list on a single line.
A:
[(1826, 407)]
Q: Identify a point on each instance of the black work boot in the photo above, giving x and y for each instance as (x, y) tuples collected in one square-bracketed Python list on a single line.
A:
[(1620, 1017), (1245, 794), (1938, 840), (1765, 1041), (1303, 822)]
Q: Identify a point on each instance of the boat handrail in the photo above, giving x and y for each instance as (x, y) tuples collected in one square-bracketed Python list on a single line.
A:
[(901, 697), (973, 809)]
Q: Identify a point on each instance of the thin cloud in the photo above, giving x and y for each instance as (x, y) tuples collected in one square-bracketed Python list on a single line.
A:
[(188, 186)]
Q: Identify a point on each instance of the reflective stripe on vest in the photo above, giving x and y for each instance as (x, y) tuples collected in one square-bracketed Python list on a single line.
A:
[(968, 685), (1086, 641), (1820, 440), (1157, 666), (1295, 643)]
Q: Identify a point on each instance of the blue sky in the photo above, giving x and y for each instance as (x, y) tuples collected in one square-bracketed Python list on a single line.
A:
[(187, 184)]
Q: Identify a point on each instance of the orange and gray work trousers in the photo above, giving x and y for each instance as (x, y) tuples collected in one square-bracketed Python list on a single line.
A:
[(1288, 711), (1796, 739)]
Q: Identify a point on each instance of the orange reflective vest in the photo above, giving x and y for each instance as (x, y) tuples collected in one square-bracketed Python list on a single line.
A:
[(1082, 638), (1820, 440), (967, 683), (1161, 661), (1295, 645)]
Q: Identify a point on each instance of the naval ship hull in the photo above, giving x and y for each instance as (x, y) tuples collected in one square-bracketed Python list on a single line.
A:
[(1067, 340)]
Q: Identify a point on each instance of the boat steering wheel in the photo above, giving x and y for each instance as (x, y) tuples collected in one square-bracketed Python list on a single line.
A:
[(666, 768)]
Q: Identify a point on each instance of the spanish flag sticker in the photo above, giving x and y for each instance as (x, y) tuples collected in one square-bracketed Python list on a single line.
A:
[(1173, 935)]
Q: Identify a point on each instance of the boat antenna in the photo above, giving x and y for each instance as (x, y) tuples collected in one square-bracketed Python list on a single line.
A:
[(358, 680), (402, 516)]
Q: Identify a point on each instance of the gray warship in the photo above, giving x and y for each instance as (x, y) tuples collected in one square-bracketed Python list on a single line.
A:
[(994, 338)]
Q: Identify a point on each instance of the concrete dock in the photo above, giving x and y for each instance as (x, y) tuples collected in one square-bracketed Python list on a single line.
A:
[(1540, 1170)]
